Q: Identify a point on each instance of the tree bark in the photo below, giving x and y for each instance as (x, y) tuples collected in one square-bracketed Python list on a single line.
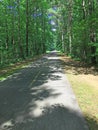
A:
[(27, 27)]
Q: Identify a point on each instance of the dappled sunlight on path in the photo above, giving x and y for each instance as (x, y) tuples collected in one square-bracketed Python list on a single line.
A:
[(40, 97)]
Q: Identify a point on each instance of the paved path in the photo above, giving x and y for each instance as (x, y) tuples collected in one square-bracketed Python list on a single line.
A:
[(39, 97)]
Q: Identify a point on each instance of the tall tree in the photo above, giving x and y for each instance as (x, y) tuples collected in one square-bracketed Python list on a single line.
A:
[(27, 27)]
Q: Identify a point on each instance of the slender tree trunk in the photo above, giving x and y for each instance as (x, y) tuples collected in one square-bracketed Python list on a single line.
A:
[(92, 32), (69, 27), (19, 31), (43, 33), (27, 28), (7, 36)]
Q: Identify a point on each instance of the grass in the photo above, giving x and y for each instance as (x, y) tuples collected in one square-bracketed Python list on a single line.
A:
[(87, 96), (84, 82)]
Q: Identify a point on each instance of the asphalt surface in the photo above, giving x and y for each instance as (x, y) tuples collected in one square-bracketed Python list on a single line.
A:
[(40, 97)]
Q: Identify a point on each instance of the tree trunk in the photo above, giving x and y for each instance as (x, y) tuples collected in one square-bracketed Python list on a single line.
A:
[(27, 27), (92, 32), (69, 27), (19, 32)]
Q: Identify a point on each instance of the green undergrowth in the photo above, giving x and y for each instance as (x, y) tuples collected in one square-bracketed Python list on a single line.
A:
[(6, 71)]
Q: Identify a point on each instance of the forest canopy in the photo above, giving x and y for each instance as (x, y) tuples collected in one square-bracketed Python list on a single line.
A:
[(31, 27)]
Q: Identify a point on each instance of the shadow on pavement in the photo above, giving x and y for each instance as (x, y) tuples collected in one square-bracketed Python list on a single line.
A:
[(20, 92), (52, 118), (23, 95)]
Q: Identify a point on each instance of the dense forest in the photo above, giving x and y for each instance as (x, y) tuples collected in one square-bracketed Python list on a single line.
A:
[(31, 27)]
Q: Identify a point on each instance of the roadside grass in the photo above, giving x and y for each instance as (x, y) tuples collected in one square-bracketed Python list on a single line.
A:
[(87, 96), (10, 69), (84, 82)]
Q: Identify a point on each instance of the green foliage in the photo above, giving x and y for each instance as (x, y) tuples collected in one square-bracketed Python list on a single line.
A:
[(26, 29), (79, 28)]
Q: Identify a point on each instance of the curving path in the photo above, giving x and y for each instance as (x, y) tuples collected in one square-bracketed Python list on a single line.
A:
[(40, 97)]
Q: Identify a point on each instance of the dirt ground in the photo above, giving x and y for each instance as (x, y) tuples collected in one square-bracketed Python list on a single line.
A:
[(84, 81), (40, 96), (87, 74)]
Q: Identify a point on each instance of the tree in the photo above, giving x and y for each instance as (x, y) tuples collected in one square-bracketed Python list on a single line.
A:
[(28, 29)]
